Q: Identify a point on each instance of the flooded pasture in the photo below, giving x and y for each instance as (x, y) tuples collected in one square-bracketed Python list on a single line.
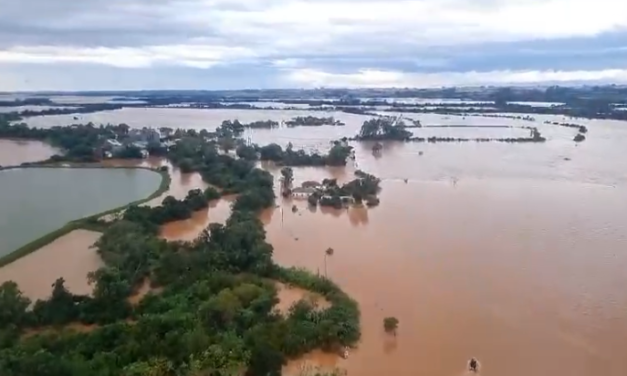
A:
[(15, 152), (513, 253), (69, 257)]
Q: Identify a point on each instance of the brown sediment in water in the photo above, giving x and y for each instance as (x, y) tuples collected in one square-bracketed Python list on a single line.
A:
[(289, 295), (70, 256), (15, 152), (473, 270), (189, 229), (180, 184), (315, 362), (521, 263)]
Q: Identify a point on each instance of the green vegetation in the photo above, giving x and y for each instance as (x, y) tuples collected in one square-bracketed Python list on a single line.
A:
[(171, 209), (364, 187), (390, 324), (312, 121), (390, 129), (80, 142), (383, 128), (337, 156), (214, 314)]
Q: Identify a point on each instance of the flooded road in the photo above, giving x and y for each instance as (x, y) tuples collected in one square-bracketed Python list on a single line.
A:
[(515, 254)]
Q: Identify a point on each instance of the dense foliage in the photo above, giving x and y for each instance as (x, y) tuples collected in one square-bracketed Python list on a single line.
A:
[(212, 314), (364, 188), (78, 141), (337, 156), (383, 128), (312, 121), (171, 209)]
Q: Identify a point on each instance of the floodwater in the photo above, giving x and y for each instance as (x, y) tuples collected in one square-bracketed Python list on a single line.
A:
[(36, 201), (182, 117), (289, 295), (69, 256), (508, 252), (512, 253), (16, 152)]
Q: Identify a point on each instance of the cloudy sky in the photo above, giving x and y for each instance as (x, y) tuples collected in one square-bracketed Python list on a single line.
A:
[(232, 44)]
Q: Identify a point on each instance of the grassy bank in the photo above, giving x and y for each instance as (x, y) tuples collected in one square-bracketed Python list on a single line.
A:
[(82, 222)]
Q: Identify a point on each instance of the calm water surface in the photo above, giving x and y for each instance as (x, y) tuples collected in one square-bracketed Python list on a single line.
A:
[(36, 201), (70, 257), (15, 152), (515, 254)]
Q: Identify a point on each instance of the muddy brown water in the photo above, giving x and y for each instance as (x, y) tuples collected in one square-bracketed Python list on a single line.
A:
[(70, 257), (15, 152), (514, 254)]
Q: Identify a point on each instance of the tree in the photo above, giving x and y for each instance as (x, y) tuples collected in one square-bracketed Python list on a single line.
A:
[(247, 152), (390, 324), (212, 194), (288, 178), (271, 152), (186, 165), (13, 305), (338, 154), (59, 309), (109, 297)]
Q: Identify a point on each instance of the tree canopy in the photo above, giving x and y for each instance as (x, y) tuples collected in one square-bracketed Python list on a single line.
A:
[(214, 313)]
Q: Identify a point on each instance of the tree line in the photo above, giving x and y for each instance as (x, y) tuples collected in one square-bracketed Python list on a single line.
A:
[(214, 314)]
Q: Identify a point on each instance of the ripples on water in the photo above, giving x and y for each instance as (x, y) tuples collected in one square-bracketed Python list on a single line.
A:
[(520, 263)]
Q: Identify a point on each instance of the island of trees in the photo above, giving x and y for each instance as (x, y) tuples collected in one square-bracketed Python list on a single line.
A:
[(211, 311), (312, 121), (91, 143), (386, 128)]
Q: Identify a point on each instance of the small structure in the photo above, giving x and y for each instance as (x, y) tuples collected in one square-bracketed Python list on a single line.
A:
[(303, 192), (311, 184), (112, 146)]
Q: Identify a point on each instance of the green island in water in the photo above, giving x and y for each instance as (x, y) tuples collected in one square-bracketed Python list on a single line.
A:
[(212, 308)]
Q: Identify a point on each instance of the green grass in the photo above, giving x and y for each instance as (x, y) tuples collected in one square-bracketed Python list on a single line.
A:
[(82, 223)]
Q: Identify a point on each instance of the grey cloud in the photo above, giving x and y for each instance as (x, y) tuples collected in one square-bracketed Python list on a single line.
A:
[(95, 23)]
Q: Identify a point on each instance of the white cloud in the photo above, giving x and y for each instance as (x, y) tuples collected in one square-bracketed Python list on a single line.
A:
[(292, 27), (292, 37), (375, 78), (198, 56)]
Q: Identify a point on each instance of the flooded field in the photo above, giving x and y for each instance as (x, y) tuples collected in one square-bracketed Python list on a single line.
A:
[(513, 253), (510, 253), (182, 117), (36, 201), (70, 257), (15, 152)]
